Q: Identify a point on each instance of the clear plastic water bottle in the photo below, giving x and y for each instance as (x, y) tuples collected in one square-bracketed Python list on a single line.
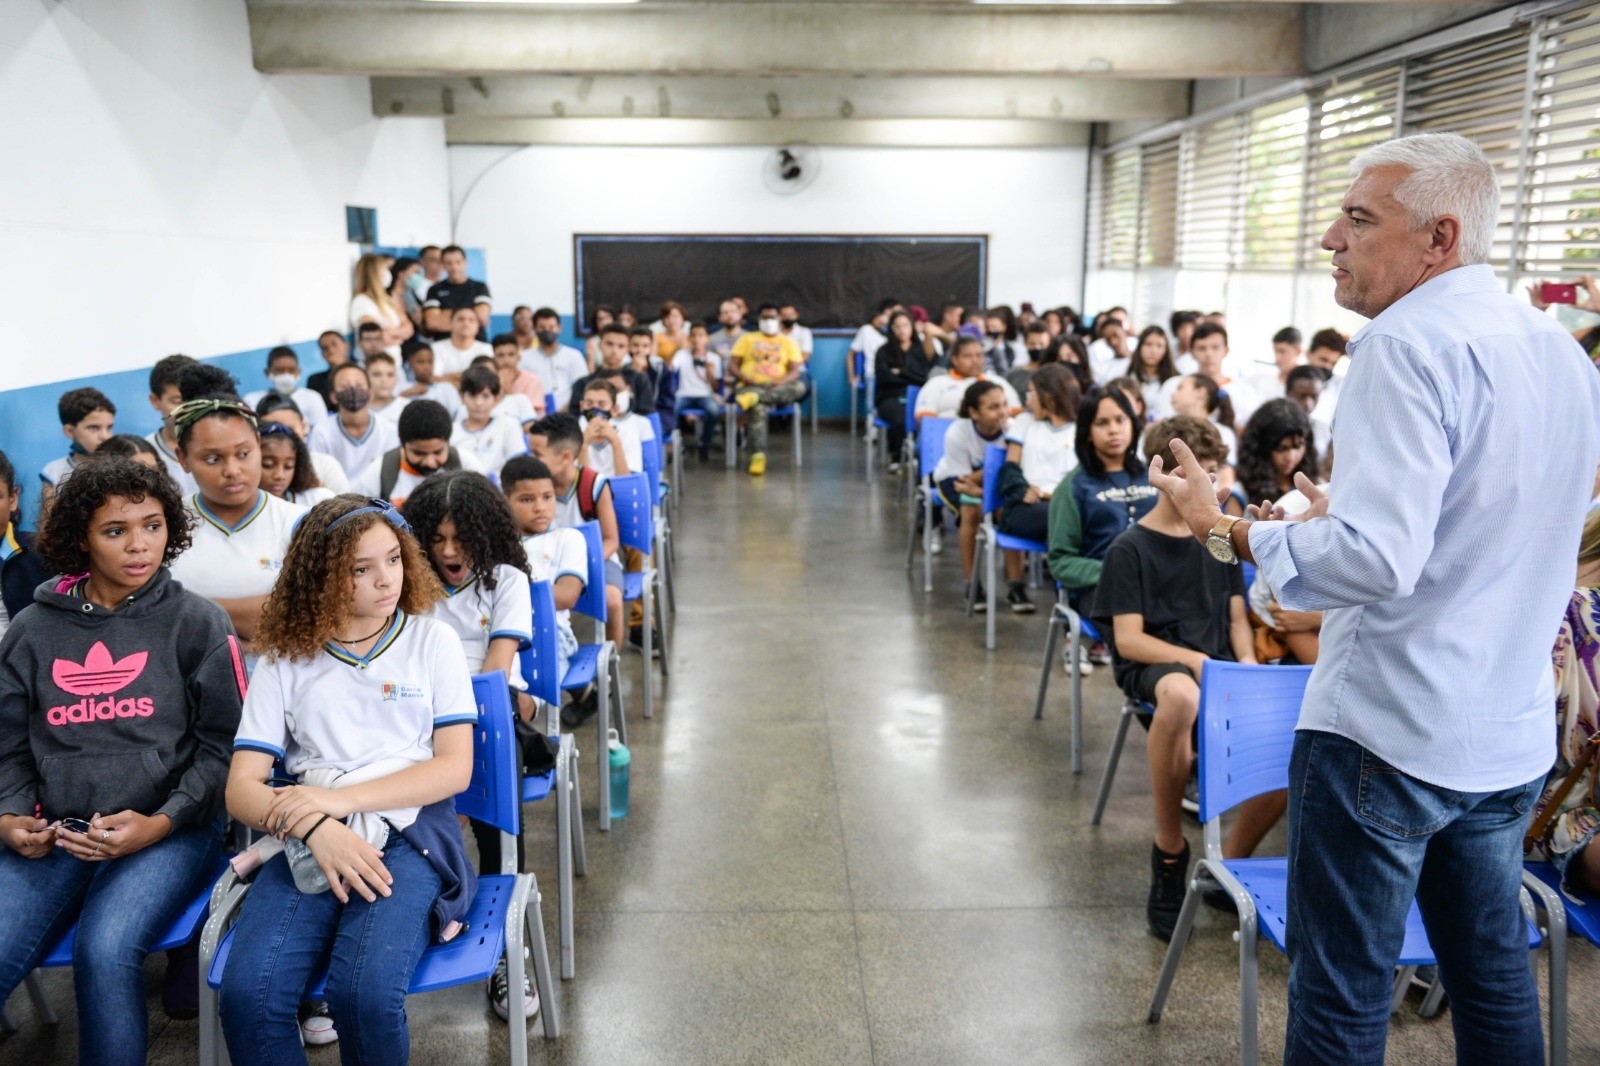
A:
[(620, 759), (308, 876)]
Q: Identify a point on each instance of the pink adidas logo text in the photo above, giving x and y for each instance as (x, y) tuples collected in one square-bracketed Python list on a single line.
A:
[(99, 675)]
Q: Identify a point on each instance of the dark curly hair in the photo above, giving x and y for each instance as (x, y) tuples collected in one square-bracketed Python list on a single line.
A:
[(311, 600), (305, 475), (484, 522), (66, 521), (1273, 423)]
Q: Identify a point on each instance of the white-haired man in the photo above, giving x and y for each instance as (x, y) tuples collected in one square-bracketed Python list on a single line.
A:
[(1468, 434)]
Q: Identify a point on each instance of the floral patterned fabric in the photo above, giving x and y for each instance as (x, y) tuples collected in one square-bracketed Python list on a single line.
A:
[(1577, 719)]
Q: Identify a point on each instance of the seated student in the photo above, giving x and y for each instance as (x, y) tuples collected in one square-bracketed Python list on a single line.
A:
[(899, 363), (1198, 396), (766, 368), (1039, 454), (22, 569), (1210, 349), (641, 356), (1151, 365), (287, 471), (419, 364), (1288, 352), (557, 554), (868, 339), (384, 378), (274, 408), (491, 437), (1304, 388), (283, 371), (336, 353), (1039, 349), (582, 496), (1002, 353), (370, 706), (453, 354), (86, 420), (614, 441), (1130, 388), (699, 375), (355, 435), (241, 533), (164, 396), (1071, 353), (1277, 443), (980, 422), (668, 331), (1108, 491), (1170, 607), (127, 446), (944, 394), (1108, 355), (369, 341), (119, 698), (1564, 827), (515, 381), (514, 405), (424, 431), (614, 359)]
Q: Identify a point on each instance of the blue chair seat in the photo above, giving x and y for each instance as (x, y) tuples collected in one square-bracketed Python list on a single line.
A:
[(583, 668), (182, 930), (1267, 881), (471, 956), (632, 586), (1020, 544), (536, 787), (1583, 911)]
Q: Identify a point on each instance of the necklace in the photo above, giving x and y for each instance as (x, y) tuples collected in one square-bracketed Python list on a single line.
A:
[(350, 644)]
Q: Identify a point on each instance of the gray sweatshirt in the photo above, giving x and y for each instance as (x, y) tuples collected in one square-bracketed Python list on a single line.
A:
[(106, 711)]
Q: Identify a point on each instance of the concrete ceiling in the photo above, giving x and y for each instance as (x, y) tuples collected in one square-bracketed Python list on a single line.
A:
[(759, 71)]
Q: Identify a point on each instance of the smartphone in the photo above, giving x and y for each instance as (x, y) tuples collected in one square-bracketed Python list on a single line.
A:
[(76, 825), (1552, 292)]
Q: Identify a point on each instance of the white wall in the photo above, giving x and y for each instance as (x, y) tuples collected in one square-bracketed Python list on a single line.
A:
[(158, 194), (528, 203)]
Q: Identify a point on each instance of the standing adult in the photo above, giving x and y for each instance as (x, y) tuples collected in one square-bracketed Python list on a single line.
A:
[(370, 302), (452, 292), (1425, 734)]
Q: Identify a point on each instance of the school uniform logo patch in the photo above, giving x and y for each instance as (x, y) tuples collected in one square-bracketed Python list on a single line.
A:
[(391, 691)]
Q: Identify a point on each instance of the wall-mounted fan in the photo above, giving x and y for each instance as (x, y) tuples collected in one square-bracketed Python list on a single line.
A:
[(791, 168)]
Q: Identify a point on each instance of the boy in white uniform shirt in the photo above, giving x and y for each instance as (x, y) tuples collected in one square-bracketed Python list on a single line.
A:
[(699, 370), (419, 361), (164, 396), (614, 444), (425, 449), (557, 554), (355, 435), (941, 396), (283, 371), (493, 437), (87, 419), (455, 353), (384, 377), (1209, 345)]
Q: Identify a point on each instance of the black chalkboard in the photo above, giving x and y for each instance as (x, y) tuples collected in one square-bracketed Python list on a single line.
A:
[(834, 281)]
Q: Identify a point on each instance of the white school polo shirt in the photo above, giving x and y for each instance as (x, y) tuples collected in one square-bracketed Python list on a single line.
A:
[(354, 453), (448, 359), (478, 615), (633, 430), (58, 470), (568, 512), (1047, 452), (313, 408), (341, 712), (180, 477), (232, 562), (552, 555), (492, 445)]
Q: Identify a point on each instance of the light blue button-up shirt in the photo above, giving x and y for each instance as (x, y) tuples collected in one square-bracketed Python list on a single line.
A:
[(1466, 442)]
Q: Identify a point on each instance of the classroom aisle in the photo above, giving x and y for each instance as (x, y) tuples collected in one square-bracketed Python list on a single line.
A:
[(849, 842)]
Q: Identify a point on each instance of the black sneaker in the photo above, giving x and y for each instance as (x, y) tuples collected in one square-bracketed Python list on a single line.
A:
[(180, 992), (580, 710), (1191, 792), (1219, 900), (1169, 880), (499, 990), (1017, 597), (980, 598), (636, 638)]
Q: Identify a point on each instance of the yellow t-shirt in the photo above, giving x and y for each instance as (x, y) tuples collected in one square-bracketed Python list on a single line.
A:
[(765, 360)]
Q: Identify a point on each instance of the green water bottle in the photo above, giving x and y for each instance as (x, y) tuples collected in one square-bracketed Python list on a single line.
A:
[(620, 759)]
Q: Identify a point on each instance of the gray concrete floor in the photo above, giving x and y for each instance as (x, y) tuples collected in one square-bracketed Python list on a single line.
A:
[(849, 841)]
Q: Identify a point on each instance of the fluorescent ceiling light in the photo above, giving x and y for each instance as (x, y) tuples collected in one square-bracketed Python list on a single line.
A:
[(1080, 3), (564, 3)]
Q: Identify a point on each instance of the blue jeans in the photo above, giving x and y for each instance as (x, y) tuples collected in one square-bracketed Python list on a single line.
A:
[(284, 938), (1364, 840), (709, 409), (122, 907)]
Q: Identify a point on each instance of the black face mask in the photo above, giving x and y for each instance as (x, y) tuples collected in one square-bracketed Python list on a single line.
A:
[(788, 323), (353, 398), (997, 336), (547, 336), (595, 412)]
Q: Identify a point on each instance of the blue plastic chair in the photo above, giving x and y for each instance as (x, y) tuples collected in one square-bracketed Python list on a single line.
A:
[(550, 403), (1247, 720), (1077, 629), (859, 392), (930, 450), (992, 541), (538, 665), (505, 913), (636, 530), (730, 427), (654, 469), (598, 663)]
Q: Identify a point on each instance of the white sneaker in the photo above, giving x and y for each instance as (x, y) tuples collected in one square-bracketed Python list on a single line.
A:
[(316, 1024), (894, 468), (1085, 667), (936, 542), (499, 989)]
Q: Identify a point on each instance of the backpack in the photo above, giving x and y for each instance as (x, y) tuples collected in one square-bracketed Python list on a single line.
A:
[(389, 471), (586, 480)]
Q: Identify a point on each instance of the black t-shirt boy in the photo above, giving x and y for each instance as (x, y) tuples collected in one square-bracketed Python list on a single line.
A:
[(448, 295)]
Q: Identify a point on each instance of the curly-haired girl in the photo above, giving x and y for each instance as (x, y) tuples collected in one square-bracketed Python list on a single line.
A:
[(1275, 445), (242, 532), (119, 696), (286, 469), (369, 703)]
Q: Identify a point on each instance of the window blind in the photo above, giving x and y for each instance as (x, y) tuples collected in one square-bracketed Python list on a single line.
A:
[(1561, 229), (1208, 195), (1345, 116), (1274, 185)]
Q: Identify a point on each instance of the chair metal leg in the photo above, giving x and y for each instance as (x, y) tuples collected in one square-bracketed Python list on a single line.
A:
[(853, 394), (929, 511), (602, 721), (1402, 983), (972, 586), (564, 856), (1110, 773), (1248, 1008), (1050, 645), (41, 1001), (799, 439), (676, 497), (730, 433), (1179, 941), (663, 597), (911, 539), (648, 673), (991, 558), (1433, 1001), (1555, 936), (1075, 659)]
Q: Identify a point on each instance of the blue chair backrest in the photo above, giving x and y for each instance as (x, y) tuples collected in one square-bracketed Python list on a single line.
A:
[(494, 795), (1247, 720), (930, 444), (654, 452), (635, 522), (1249, 574), (549, 403), (912, 392), (654, 418), (538, 661), (994, 457), (861, 366), (592, 600)]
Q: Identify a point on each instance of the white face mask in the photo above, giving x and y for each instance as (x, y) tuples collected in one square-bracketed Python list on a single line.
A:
[(284, 384), (769, 326), (624, 401), (388, 280)]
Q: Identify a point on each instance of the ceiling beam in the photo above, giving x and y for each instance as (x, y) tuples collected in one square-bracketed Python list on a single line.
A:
[(1065, 99), (871, 133), (415, 38)]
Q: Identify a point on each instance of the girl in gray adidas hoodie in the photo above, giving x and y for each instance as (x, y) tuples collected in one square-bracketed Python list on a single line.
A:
[(119, 696)]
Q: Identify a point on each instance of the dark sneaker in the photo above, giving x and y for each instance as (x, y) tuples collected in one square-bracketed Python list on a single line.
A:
[(1219, 900), (636, 638), (1169, 880), (580, 710), (180, 992), (1017, 597), (980, 599), (499, 990), (1191, 793)]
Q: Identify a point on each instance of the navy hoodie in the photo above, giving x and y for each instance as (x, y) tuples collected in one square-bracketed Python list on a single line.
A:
[(106, 711)]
